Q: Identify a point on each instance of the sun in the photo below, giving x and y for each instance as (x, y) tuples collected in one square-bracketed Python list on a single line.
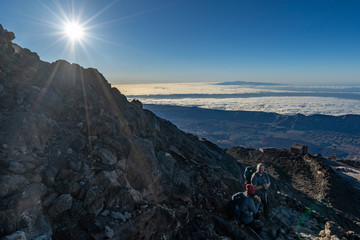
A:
[(73, 27), (74, 31)]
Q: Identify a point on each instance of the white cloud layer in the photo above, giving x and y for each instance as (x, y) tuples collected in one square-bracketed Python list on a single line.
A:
[(289, 105), (186, 88)]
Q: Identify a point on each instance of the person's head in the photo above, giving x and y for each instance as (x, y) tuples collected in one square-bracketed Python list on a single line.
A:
[(260, 168), (250, 189)]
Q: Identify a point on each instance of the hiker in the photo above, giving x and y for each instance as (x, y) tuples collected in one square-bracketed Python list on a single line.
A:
[(249, 207), (261, 181), (249, 171)]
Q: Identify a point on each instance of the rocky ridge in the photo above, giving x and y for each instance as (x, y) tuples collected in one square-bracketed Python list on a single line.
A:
[(78, 161), (313, 183)]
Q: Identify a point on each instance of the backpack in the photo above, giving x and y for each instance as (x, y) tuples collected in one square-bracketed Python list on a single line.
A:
[(249, 170), (233, 206)]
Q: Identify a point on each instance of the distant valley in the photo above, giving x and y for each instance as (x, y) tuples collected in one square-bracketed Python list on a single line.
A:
[(263, 130)]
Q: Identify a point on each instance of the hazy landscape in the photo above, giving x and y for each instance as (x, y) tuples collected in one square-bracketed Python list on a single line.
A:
[(266, 130), (136, 119), (260, 115)]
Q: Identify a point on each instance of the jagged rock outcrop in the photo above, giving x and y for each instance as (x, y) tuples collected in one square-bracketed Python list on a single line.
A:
[(78, 161), (321, 196)]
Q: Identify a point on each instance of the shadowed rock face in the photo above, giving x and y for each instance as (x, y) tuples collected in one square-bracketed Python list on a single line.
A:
[(75, 155), (78, 161)]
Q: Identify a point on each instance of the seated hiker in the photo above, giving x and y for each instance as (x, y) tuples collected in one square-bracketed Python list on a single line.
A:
[(248, 207), (261, 181)]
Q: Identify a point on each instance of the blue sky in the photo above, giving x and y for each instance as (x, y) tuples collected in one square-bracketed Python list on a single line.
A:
[(152, 41)]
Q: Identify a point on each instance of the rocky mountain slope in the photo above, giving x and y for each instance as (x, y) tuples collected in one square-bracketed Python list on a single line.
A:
[(78, 161), (307, 175)]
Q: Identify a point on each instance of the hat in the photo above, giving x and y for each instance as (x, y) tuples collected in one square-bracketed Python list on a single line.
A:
[(250, 189)]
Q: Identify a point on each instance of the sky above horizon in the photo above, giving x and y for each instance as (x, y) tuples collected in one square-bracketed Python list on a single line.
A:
[(142, 41)]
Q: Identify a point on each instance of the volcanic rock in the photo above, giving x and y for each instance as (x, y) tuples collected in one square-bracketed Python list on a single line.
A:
[(19, 235), (11, 183), (107, 157), (79, 161), (61, 204), (118, 215), (109, 233)]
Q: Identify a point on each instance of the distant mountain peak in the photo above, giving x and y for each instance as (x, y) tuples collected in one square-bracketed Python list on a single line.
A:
[(249, 83)]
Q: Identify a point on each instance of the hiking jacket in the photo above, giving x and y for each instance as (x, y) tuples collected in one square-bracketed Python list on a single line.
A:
[(256, 179), (247, 209)]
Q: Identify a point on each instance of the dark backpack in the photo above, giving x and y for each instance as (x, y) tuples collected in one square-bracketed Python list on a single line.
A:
[(249, 170), (233, 206)]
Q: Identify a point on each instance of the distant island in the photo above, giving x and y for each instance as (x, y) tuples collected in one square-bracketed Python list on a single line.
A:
[(248, 83)]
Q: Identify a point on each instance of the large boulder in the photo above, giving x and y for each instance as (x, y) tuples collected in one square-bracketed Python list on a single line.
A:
[(141, 166), (107, 156), (11, 183), (60, 205)]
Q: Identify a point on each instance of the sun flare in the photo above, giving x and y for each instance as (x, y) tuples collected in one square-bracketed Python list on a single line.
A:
[(74, 28), (74, 31)]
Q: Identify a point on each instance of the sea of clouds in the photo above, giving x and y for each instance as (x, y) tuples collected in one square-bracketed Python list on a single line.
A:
[(282, 99)]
